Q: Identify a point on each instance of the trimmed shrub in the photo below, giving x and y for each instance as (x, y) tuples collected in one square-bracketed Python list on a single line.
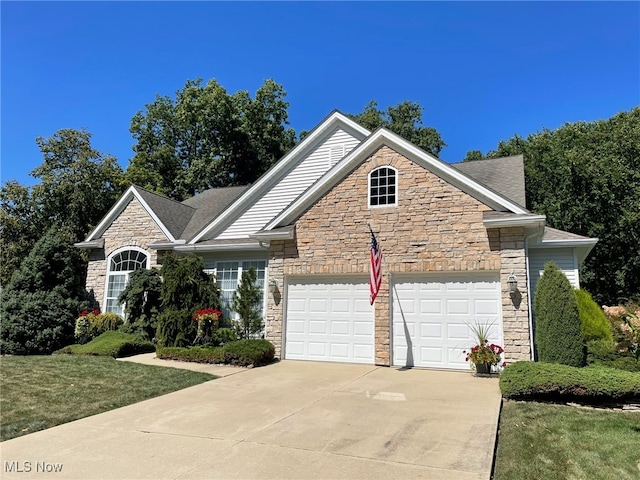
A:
[(547, 381), (222, 336), (254, 352), (106, 322), (594, 322), (243, 353), (557, 335), (111, 344)]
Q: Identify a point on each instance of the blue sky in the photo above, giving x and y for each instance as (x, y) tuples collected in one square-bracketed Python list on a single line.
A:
[(482, 71)]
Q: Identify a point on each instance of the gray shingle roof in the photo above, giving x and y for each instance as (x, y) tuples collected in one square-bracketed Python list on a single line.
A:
[(553, 234), (502, 175), (173, 215), (207, 206)]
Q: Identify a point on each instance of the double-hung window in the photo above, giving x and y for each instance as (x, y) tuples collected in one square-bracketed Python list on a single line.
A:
[(120, 266), (229, 274)]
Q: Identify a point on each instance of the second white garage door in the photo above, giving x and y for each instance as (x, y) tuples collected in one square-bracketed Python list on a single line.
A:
[(431, 316), (329, 319)]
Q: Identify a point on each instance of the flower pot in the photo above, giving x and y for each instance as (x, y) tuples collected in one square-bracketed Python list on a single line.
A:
[(483, 368)]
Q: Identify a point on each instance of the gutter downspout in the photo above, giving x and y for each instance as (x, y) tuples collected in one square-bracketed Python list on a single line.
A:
[(526, 249)]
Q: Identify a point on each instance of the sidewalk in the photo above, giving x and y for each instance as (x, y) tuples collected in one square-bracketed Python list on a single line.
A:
[(217, 370)]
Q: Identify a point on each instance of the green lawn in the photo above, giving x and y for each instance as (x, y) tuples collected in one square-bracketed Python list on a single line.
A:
[(40, 392), (545, 441)]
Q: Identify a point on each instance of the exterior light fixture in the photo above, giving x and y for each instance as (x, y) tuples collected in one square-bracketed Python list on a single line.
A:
[(273, 287), (512, 282)]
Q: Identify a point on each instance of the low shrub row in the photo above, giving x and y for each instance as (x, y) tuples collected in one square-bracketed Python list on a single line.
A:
[(111, 344), (243, 353), (554, 382)]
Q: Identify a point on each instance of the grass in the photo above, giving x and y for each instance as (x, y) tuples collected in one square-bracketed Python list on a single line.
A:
[(546, 441), (39, 392)]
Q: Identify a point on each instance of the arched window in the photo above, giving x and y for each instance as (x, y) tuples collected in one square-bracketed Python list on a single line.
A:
[(121, 263), (383, 186)]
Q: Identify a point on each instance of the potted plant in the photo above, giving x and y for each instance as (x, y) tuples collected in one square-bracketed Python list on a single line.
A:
[(483, 355)]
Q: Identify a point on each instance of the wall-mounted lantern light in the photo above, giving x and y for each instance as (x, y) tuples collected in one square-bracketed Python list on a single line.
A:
[(273, 287), (512, 282)]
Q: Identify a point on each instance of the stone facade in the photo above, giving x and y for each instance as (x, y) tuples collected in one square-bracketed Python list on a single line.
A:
[(132, 228), (435, 227)]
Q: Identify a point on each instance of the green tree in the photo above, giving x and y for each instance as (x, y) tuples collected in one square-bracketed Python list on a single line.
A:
[(208, 138), (557, 329), (473, 155), (246, 302), (585, 177), (405, 119), (42, 300), (186, 287), (78, 185)]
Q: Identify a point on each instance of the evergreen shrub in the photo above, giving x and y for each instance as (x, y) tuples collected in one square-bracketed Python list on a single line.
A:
[(557, 330), (594, 323)]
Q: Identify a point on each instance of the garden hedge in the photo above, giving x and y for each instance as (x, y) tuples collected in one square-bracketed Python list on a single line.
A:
[(555, 382), (242, 353), (111, 344)]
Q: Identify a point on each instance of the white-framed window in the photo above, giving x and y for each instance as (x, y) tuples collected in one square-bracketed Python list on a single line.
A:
[(383, 187), (228, 275), (120, 264)]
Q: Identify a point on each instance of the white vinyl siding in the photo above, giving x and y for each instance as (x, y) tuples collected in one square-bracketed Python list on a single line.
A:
[(564, 258), (305, 174)]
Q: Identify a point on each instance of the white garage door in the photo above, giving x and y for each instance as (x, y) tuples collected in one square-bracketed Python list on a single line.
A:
[(431, 317), (329, 319)]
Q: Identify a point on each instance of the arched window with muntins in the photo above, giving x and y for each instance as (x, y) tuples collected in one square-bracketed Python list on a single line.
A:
[(121, 264), (383, 187)]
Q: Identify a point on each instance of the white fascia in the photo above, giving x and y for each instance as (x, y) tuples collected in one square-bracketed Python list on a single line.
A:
[(367, 147), (119, 207), (280, 168), (523, 221), (258, 245)]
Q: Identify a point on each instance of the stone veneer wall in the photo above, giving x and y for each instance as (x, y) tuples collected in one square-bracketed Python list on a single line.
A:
[(435, 228), (133, 228)]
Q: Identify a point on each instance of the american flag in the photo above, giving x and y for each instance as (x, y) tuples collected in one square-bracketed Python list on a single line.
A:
[(375, 277)]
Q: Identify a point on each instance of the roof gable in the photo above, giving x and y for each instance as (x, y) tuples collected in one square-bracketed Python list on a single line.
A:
[(278, 173), (377, 139), (170, 216)]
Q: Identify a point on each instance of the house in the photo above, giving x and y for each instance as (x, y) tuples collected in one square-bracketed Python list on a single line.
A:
[(458, 247)]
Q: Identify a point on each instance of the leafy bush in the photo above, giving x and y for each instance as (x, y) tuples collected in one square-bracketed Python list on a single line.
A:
[(625, 324), (106, 322), (547, 381), (41, 302), (557, 321), (604, 353), (223, 336), (111, 344), (594, 322), (256, 352)]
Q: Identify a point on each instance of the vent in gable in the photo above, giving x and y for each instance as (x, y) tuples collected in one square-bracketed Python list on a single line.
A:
[(336, 152)]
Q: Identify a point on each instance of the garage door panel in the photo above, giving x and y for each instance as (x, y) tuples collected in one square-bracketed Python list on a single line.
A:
[(458, 307), (434, 312), (337, 320)]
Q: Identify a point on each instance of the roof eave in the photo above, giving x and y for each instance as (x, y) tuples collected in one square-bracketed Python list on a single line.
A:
[(516, 221), (223, 247), (98, 243)]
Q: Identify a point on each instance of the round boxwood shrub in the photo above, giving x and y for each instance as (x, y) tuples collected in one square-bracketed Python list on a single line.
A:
[(557, 333)]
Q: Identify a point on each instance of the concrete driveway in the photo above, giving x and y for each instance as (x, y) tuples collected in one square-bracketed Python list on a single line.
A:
[(297, 420)]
